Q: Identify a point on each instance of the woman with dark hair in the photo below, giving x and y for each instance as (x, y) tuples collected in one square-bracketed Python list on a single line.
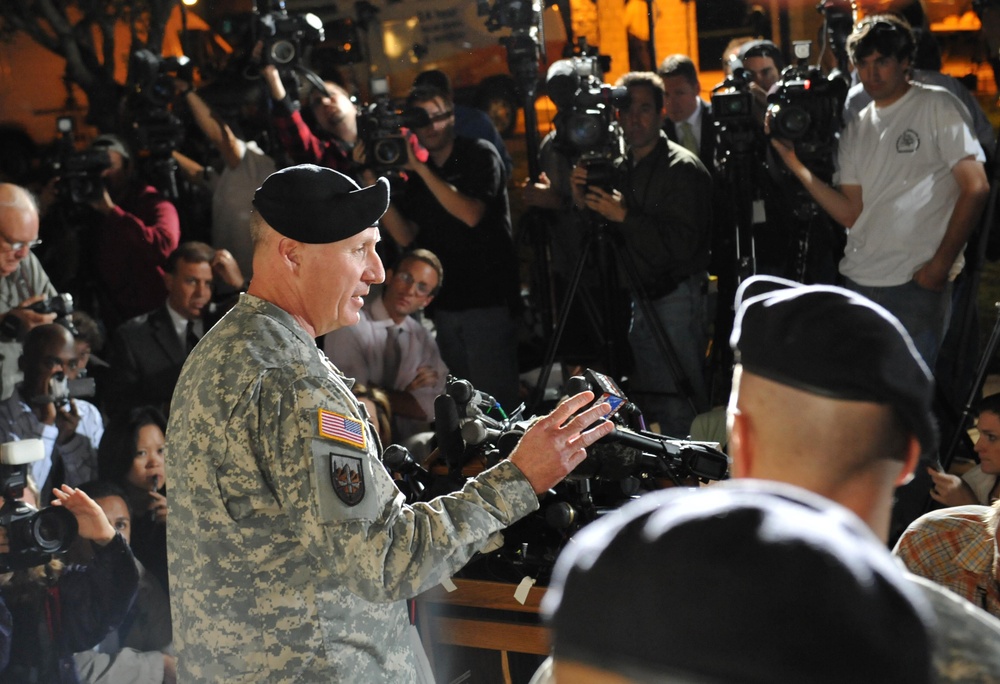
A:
[(131, 456)]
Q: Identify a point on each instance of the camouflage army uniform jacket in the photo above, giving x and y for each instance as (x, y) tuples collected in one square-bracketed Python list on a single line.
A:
[(290, 549)]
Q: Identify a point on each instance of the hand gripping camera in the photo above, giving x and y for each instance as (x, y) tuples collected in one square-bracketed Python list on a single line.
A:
[(33, 535)]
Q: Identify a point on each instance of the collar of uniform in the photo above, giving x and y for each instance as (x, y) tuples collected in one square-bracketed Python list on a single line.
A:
[(266, 308)]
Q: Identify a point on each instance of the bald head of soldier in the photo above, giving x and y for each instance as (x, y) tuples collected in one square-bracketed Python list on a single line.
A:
[(314, 232), (829, 394), (18, 226)]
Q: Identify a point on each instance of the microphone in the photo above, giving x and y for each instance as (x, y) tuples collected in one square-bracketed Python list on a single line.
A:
[(475, 433), (447, 431)]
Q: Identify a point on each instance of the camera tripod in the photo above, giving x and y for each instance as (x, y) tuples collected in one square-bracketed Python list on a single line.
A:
[(604, 241)]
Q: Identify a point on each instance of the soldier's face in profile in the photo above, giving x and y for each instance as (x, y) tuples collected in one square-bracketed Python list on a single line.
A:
[(337, 277)]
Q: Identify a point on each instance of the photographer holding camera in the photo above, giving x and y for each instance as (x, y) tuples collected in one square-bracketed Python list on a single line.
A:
[(662, 202), (59, 609), (911, 189), (336, 119), (455, 204), (138, 230), (23, 281), (41, 408)]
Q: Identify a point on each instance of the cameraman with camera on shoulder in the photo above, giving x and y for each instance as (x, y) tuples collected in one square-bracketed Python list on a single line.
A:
[(334, 113), (911, 188), (23, 281), (662, 202)]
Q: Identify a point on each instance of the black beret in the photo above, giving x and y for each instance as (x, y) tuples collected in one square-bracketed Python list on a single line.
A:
[(745, 581), (316, 205), (835, 343)]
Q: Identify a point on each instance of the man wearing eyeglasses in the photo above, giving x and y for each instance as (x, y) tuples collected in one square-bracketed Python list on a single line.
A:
[(23, 281), (456, 205), (911, 189), (393, 351)]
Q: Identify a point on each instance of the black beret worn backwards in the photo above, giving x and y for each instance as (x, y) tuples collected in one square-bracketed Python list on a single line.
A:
[(316, 205), (835, 343)]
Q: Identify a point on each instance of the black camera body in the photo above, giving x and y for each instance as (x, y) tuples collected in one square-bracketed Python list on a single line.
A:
[(153, 76), (806, 108), (60, 304), (33, 535), (380, 129), (586, 129), (285, 35), (80, 180)]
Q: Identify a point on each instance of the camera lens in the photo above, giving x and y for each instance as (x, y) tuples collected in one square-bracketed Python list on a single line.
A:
[(387, 152), (52, 529), (282, 52), (792, 122)]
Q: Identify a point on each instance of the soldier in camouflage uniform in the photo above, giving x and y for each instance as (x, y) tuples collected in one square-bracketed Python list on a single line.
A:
[(291, 550), (831, 395)]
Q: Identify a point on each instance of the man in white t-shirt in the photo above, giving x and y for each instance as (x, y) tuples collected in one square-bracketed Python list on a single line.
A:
[(911, 185)]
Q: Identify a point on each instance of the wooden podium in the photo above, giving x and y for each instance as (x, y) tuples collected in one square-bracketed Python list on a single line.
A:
[(478, 615)]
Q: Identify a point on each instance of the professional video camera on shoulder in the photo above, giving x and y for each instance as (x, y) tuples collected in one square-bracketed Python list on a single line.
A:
[(586, 129), (285, 36), (33, 535), (380, 127), (806, 107), (156, 130), (79, 173)]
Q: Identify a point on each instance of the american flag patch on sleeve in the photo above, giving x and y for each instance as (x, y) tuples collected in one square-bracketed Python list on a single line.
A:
[(341, 428)]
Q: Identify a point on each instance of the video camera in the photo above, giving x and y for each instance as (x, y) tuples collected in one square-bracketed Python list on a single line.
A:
[(285, 35), (380, 128), (586, 129), (739, 133), (79, 173), (33, 535), (155, 129), (806, 108)]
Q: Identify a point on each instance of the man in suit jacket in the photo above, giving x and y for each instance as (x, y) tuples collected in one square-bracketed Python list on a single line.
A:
[(148, 351), (685, 108)]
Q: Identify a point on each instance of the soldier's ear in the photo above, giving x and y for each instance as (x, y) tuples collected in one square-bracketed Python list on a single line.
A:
[(910, 462)]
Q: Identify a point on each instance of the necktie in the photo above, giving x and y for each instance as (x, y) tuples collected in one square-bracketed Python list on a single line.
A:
[(190, 338), (687, 137), (393, 353)]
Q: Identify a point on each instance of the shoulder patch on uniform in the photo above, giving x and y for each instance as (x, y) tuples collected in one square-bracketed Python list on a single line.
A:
[(347, 476), (341, 428)]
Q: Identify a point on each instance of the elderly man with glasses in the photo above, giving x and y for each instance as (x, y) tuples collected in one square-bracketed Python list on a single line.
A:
[(391, 350), (23, 281)]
